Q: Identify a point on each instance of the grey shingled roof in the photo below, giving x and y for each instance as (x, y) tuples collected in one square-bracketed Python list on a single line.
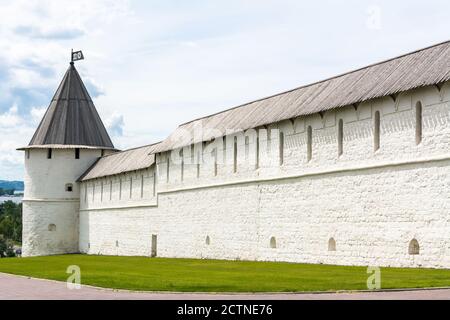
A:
[(120, 162), (417, 69), (71, 118)]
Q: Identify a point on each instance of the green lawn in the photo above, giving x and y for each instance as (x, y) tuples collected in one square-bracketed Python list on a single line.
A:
[(140, 273)]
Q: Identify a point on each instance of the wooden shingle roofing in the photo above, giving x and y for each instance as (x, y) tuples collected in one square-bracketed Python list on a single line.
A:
[(120, 162), (71, 119)]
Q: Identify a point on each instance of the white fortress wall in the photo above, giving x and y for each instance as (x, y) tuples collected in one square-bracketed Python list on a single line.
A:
[(372, 203)]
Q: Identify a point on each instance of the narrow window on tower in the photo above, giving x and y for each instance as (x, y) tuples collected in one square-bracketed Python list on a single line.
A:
[(102, 153), (418, 122), (77, 153), (309, 143), (281, 151), (235, 155), (340, 137), (376, 131), (49, 153), (28, 154), (142, 186)]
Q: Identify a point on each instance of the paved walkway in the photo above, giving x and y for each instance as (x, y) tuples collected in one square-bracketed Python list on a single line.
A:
[(15, 287)]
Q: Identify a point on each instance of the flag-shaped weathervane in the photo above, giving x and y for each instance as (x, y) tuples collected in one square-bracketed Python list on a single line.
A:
[(77, 55)]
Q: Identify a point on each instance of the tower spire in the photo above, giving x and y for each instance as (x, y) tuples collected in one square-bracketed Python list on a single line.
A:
[(71, 118)]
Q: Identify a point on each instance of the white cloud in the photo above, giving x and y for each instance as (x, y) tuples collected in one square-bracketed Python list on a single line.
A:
[(114, 124), (15, 132), (37, 113), (10, 119)]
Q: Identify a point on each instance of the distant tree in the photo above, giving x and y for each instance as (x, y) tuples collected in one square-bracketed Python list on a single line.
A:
[(11, 221)]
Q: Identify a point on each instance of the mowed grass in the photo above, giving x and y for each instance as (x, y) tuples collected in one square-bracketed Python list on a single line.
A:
[(190, 275)]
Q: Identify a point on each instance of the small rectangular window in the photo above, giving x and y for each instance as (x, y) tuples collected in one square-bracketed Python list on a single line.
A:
[(225, 146), (247, 147), (77, 153), (182, 165), (340, 137), (257, 151), (376, 131), (192, 154), (235, 150), (102, 153), (281, 151), (120, 189), (214, 154), (309, 143), (131, 187), (28, 154), (418, 123), (49, 153), (154, 183), (198, 164), (168, 167)]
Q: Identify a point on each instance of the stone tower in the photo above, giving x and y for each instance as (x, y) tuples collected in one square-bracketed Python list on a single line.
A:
[(69, 139)]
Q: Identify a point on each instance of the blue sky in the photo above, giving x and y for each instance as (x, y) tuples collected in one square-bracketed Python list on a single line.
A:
[(152, 65)]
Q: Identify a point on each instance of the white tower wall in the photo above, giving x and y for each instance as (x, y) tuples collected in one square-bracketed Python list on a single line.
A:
[(50, 212)]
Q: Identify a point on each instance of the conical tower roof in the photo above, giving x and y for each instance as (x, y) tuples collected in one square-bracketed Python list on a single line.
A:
[(71, 119)]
